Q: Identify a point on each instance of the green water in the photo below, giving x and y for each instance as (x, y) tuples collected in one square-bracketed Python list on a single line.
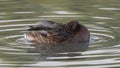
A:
[(101, 17)]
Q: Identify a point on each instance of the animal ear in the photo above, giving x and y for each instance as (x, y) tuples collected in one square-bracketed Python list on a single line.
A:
[(73, 24)]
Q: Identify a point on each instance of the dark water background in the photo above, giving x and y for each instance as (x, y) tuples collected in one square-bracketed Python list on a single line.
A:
[(101, 17)]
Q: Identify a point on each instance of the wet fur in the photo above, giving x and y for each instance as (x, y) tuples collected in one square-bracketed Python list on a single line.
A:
[(51, 33)]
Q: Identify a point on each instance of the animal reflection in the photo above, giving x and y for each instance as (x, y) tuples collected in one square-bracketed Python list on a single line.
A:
[(61, 50)]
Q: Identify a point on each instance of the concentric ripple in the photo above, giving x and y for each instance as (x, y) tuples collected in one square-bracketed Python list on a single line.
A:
[(100, 17), (56, 54)]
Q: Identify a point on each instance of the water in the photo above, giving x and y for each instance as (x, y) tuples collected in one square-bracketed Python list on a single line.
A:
[(101, 17)]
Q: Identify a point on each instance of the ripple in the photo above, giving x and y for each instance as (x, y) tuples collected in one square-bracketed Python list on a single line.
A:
[(61, 16), (13, 36), (23, 12), (100, 30), (101, 18), (97, 34), (97, 17), (116, 46), (14, 25), (2, 13), (16, 53), (92, 62), (15, 29), (63, 12), (100, 37), (109, 8), (104, 35), (2, 21), (9, 49)]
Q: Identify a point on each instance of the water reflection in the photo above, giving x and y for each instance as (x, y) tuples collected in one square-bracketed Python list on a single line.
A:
[(46, 51), (58, 51), (100, 16)]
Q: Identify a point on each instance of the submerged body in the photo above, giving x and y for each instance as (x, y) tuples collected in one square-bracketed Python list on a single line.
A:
[(54, 33)]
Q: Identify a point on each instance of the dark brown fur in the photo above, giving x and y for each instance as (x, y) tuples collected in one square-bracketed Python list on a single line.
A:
[(53, 33)]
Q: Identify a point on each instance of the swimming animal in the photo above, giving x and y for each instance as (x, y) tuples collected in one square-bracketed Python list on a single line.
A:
[(50, 32)]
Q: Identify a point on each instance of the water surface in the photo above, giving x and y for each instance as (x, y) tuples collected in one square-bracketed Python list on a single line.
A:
[(101, 17)]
